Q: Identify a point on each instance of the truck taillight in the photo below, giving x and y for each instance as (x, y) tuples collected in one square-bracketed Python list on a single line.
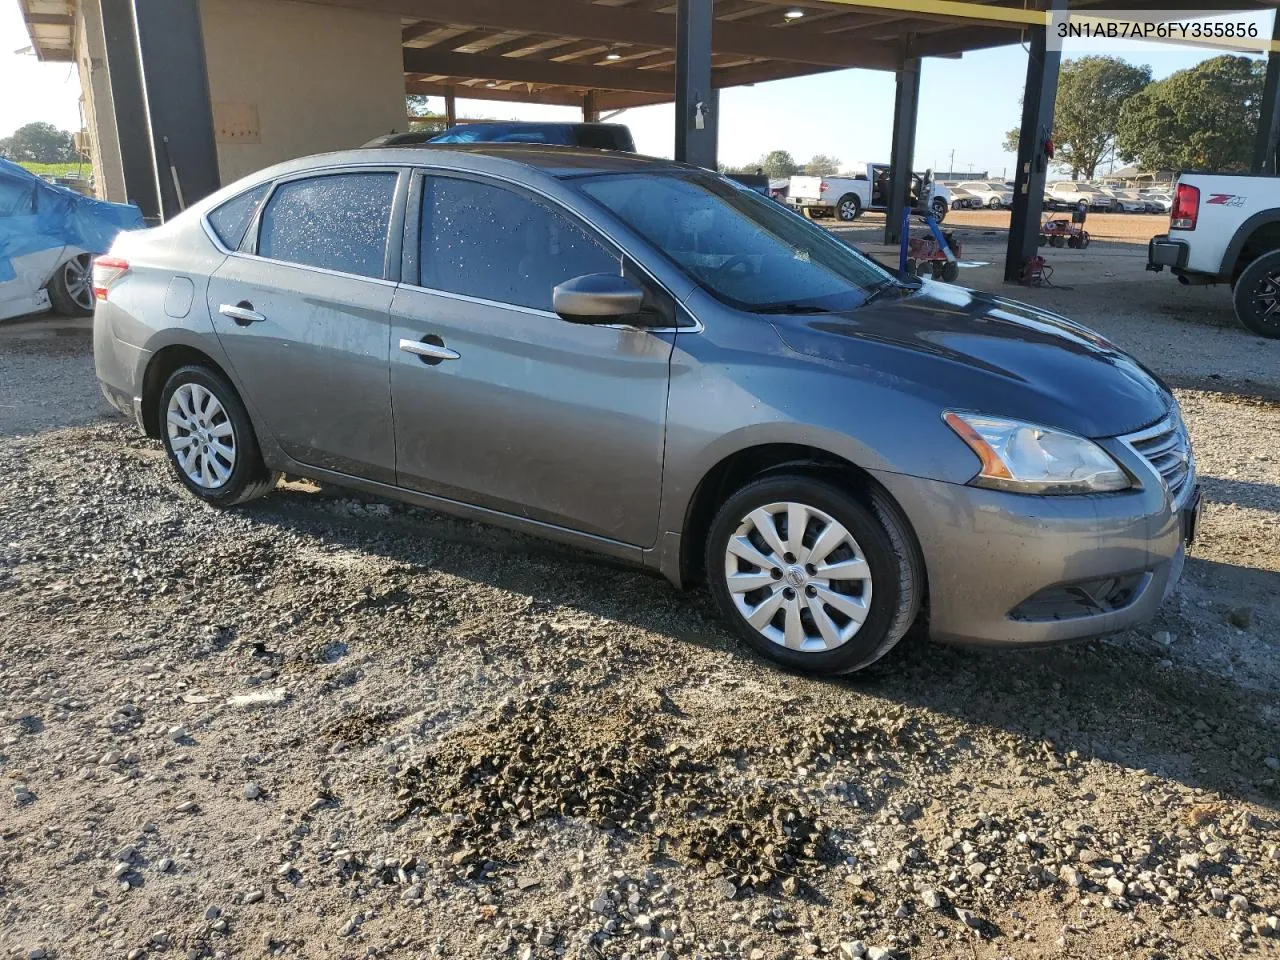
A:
[(1186, 208), (106, 271), (824, 186)]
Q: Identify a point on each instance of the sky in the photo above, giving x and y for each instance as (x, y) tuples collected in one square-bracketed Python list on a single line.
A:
[(966, 104)]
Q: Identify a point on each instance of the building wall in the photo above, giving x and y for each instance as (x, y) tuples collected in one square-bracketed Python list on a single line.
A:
[(96, 107), (290, 79)]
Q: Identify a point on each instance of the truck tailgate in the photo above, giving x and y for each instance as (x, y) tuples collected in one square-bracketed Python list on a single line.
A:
[(806, 189)]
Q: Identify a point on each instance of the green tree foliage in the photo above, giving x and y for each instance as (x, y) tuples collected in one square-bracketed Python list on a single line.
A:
[(1203, 118), (778, 163), (822, 165), (39, 143), (1091, 94)]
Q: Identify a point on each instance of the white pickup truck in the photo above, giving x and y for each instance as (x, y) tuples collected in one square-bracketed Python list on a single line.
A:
[(846, 196), (1226, 229)]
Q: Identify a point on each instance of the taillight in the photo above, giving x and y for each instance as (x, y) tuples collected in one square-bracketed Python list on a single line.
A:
[(106, 271), (824, 186), (1186, 208)]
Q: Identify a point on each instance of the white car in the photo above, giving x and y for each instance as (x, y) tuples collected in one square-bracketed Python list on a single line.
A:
[(1157, 202), (1075, 193), (1129, 201), (992, 195), (48, 236)]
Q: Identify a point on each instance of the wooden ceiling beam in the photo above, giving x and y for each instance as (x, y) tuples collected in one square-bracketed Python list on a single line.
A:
[(527, 70), (588, 21)]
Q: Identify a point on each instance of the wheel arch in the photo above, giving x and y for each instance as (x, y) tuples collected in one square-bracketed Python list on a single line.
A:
[(741, 467), (1258, 235), (161, 367)]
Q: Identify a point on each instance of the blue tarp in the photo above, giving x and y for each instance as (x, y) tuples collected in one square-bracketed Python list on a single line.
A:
[(36, 215)]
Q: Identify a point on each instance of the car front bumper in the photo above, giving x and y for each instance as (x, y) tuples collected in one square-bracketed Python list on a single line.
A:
[(1012, 569)]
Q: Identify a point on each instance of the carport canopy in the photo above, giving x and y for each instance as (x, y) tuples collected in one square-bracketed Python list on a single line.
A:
[(605, 55)]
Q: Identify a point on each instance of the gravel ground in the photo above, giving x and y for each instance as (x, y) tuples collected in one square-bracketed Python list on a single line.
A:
[(325, 727)]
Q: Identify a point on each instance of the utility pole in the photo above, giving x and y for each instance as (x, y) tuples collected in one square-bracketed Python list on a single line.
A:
[(951, 168)]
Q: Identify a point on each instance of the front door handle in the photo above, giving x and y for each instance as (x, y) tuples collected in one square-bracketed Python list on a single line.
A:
[(242, 313), (430, 349)]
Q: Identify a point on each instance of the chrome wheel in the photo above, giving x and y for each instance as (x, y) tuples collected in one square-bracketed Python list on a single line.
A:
[(848, 210), (798, 577), (77, 277), (201, 436)]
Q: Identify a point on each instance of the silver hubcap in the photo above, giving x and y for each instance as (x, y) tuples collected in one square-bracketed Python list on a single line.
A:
[(201, 436), (848, 210), (76, 275), (798, 577)]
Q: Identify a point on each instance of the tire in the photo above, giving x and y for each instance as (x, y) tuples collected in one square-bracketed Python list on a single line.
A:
[(951, 272), (71, 288), (889, 584), (203, 399), (939, 209), (848, 208), (1256, 296), (993, 203)]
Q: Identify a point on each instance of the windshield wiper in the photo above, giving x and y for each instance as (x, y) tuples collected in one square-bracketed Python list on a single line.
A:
[(792, 308), (882, 288)]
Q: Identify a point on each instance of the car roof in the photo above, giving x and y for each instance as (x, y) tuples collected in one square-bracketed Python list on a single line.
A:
[(556, 161)]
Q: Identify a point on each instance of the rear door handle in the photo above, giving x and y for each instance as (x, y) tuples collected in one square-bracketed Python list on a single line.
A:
[(430, 349), (242, 313)]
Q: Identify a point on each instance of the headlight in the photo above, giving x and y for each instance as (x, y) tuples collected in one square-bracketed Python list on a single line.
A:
[(1026, 458)]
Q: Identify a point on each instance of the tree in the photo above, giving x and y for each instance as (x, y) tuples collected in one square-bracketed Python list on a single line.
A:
[(822, 165), (778, 163), (1205, 117), (1091, 94), (39, 143)]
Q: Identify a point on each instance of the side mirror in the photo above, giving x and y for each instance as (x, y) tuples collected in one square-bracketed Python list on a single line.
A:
[(601, 298)]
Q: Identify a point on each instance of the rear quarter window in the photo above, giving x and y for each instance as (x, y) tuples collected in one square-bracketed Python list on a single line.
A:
[(232, 219)]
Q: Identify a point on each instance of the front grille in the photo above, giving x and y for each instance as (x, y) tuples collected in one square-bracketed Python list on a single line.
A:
[(1167, 448)]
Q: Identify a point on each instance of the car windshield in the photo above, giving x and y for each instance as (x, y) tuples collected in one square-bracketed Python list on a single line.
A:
[(747, 251)]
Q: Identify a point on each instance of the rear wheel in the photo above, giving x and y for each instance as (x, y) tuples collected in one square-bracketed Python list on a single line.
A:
[(849, 207), (71, 289), (1257, 296), (939, 209), (810, 577), (210, 440)]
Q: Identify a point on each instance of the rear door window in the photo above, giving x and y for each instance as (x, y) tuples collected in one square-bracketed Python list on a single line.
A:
[(335, 222), (488, 242)]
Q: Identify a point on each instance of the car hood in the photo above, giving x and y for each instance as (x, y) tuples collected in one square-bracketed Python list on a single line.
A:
[(974, 351)]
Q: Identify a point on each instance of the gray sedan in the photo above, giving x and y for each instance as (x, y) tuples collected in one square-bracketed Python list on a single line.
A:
[(645, 360)]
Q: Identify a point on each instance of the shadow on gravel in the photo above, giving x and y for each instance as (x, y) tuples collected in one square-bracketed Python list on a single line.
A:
[(1109, 700), (1243, 493)]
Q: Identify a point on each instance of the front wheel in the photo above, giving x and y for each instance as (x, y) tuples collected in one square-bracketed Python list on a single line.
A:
[(210, 440), (811, 578), (71, 289), (1256, 296)]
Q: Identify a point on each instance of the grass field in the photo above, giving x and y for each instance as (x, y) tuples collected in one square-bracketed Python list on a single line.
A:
[(58, 169)]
